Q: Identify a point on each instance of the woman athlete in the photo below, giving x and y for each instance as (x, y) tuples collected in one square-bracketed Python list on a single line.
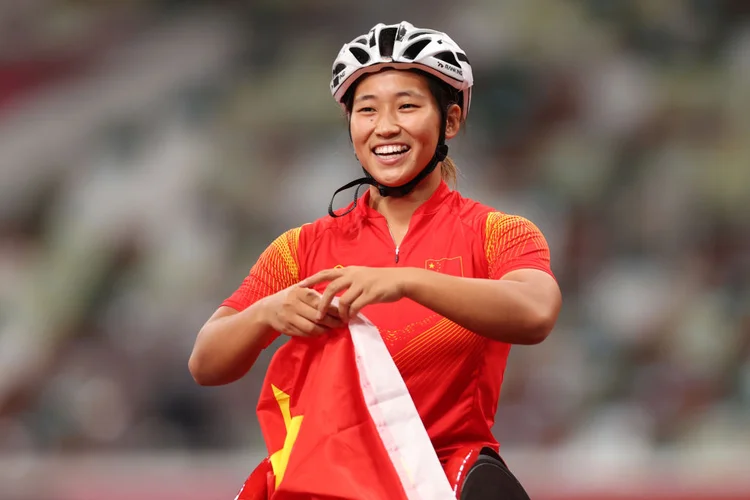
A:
[(450, 283)]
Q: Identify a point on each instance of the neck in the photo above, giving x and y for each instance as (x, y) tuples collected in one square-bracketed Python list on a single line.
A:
[(398, 211)]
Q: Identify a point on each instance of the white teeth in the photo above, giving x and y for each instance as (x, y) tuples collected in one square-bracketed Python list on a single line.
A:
[(391, 149)]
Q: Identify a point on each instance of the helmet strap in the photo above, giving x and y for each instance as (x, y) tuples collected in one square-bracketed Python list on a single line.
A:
[(441, 152)]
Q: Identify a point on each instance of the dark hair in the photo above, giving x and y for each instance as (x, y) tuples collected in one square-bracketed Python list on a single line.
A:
[(444, 96)]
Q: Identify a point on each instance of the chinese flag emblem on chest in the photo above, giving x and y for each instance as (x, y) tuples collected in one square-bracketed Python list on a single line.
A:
[(453, 266)]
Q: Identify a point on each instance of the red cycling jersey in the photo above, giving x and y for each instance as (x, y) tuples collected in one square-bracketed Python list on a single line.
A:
[(453, 375)]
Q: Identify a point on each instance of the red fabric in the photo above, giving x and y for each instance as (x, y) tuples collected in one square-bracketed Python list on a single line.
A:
[(338, 452), (258, 486), (277, 268), (512, 243), (458, 467), (453, 375)]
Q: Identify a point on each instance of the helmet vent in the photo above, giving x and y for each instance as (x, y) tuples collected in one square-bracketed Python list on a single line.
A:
[(447, 57), (386, 40), (414, 49), (339, 68), (362, 56)]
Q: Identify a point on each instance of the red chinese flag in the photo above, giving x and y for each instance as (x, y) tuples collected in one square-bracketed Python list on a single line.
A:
[(339, 423), (452, 266)]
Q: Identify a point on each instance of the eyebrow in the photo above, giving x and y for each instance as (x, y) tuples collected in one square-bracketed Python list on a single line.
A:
[(403, 93)]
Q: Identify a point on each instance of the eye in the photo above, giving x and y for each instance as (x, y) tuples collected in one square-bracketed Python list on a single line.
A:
[(408, 106), (366, 109)]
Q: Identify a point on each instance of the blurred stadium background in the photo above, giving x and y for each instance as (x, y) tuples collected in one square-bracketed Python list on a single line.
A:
[(150, 150)]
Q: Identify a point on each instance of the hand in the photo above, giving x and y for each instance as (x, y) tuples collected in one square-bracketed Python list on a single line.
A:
[(363, 285), (295, 312)]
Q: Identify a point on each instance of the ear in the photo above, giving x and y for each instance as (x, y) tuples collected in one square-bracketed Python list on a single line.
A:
[(453, 121)]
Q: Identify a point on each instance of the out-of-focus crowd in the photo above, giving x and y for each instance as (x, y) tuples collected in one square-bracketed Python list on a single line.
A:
[(149, 151)]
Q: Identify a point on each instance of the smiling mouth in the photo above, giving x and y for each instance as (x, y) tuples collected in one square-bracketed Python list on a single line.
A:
[(395, 151)]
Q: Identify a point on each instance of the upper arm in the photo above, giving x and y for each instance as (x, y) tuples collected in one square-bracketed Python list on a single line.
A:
[(222, 312), (517, 251), (544, 290), (511, 243)]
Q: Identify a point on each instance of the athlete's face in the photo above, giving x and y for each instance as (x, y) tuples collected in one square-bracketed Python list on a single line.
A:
[(395, 125)]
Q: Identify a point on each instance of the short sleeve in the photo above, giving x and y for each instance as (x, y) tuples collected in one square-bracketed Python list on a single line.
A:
[(277, 268), (512, 242)]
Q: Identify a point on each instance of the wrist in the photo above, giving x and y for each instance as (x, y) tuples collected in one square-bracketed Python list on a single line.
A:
[(262, 314), (411, 279)]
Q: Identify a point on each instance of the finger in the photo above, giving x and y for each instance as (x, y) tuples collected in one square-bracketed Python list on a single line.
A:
[(309, 328), (311, 313), (308, 296), (346, 300), (321, 277), (291, 330), (308, 302), (319, 303), (330, 292), (359, 303), (332, 311), (329, 321)]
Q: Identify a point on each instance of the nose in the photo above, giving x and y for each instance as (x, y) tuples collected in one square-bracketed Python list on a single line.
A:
[(386, 126)]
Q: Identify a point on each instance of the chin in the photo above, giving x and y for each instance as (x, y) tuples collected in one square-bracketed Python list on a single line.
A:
[(391, 180), (392, 176)]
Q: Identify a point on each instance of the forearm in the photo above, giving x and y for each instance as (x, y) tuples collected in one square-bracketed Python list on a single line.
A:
[(505, 310), (227, 347)]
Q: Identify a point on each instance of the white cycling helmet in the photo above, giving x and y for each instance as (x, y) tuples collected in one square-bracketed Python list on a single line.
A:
[(402, 46)]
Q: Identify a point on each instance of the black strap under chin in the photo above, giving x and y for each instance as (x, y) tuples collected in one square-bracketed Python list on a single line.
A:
[(441, 152), (356, 182)]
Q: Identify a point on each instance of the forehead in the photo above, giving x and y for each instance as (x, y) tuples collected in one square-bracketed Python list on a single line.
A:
[(391, 82)]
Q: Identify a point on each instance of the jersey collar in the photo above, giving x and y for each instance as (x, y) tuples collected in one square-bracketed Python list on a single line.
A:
[(431, 205)]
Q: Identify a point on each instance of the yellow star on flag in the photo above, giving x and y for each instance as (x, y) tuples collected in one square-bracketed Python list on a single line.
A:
[(280, 458)]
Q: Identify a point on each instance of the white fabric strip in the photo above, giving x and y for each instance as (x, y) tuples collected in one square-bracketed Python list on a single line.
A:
[(396, 418)]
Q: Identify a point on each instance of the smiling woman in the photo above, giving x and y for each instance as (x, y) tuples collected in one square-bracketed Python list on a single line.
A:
[(396, 121), (448, 327)]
